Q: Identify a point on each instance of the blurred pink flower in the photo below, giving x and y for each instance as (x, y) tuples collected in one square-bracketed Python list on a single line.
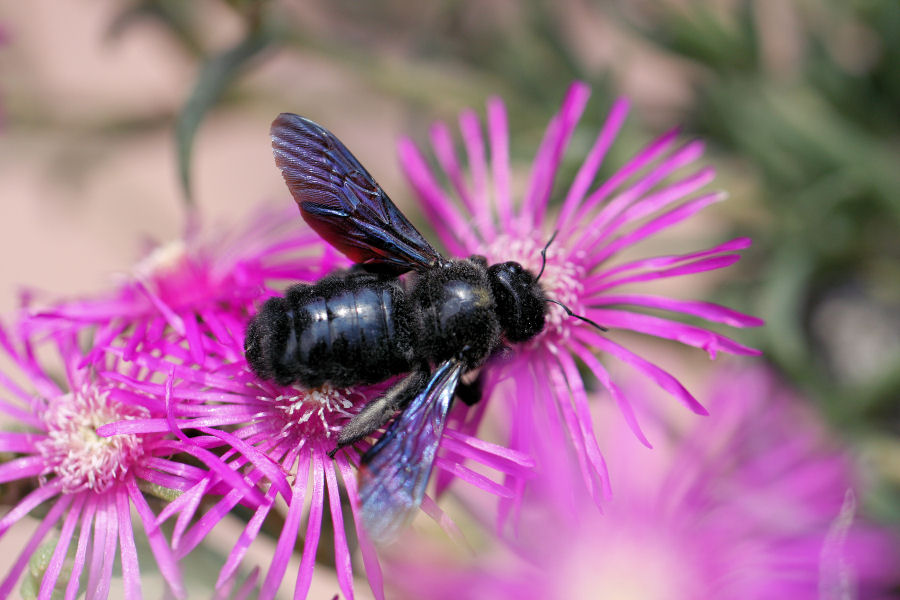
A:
[(201, 286), (91, 483), (753, 503), (595, 225), (279, 437)]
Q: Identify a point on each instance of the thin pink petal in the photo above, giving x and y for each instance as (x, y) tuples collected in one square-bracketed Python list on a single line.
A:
[(634, 206), (477, 479), (289, 532), (588, 170), (444, 150), (158, 545), (51, 574), (131, 571), (498, 136), (664, 221), (22, 468), (455, 232), (313, 528), (668, 329), (246, 538), (470, 127), (98, 543), (430, 508), (101, 590), (550, 153), (370, 559), (583, 415), (640, 160), (341, 551), (705, 310), (497, 457), (16, 442), (87, 522), (47, 523), (560, 397), (699, 266), (602, 375), (660, 377)]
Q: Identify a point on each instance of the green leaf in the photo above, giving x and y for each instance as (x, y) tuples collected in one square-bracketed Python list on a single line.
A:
[(216, 75)]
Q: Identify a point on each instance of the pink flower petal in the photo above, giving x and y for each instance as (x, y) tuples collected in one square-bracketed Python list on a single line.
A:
[(289, 532), (641, 159), (603, 376), (165, 559), (664, 221), (51, 574), (588, 170), (453, 230), (370, 559), (313, 527), (689, 335), (657, 375), (341, 551), (131, 572), (705, 310), (549, 155), (474, 143), (22, 468), (46, 524), (498, 136), (87, 523)]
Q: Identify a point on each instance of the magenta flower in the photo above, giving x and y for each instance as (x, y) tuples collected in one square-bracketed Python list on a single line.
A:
[(279, 437), (89, 484), (595, 224), (201, 286), (753, 503)]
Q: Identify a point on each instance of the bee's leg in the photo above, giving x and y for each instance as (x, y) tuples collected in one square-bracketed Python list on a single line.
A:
[(378, 412), (470, 393)]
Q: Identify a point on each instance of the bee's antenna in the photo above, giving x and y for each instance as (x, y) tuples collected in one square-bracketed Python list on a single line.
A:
[(571, 314), (544, 254)]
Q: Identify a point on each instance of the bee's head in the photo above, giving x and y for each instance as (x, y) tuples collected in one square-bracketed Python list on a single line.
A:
[(521, 306)]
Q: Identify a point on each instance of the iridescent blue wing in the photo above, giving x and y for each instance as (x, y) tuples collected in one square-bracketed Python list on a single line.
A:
[(342, 202), (395, 471)]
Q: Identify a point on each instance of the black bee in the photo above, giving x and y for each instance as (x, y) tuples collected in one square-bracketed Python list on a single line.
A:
[(365, 325)]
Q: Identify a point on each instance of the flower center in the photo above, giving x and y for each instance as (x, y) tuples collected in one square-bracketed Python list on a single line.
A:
[(82, 459), (318, 414), (561, 280)]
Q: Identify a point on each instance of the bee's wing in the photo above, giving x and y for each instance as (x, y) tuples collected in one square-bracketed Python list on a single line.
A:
[(342, 202), (394, 472)]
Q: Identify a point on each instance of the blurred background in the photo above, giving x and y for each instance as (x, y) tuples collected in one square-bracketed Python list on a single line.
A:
[(118, 115)]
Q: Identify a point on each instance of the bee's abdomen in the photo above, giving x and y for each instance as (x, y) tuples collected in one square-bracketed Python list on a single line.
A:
[(331, 332)]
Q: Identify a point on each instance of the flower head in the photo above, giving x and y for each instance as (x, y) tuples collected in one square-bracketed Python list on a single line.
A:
[(584, 269), (90, 482), (279, 437), (201, 286), (755, 502)]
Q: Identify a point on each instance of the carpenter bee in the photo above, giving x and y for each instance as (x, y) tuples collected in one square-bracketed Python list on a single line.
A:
[(365, 325)]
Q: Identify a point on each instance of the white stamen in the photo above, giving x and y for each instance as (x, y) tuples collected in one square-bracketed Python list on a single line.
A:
[(82, 459)]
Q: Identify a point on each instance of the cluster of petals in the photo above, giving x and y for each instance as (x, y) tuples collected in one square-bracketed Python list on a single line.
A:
[(202, 286), (89, 485), (595, 222), (757, 501), (279, 438)]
